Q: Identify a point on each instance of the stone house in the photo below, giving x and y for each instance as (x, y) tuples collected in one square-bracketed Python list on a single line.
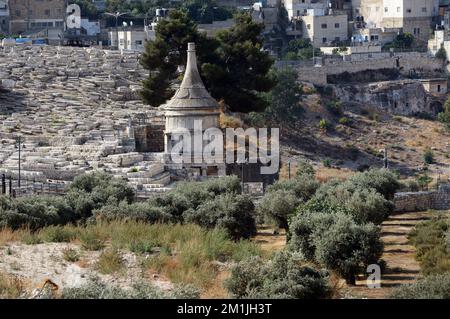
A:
[(36, 15)]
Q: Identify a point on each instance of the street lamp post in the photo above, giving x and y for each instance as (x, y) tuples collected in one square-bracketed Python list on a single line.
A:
[(19, 146)]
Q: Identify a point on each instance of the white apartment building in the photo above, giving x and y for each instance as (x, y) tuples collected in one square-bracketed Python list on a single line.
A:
[(412, 16), (324, 29), (296, 8), (129, 39)]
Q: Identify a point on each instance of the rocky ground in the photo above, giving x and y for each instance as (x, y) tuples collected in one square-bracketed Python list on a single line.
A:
[(358, 143), (35, 264)]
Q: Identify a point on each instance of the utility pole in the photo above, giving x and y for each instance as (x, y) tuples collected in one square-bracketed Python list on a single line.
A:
[(19, 146)]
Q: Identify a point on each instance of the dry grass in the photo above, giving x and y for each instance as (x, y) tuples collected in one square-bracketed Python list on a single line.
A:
[(227, 121), (11, 287), (324, 174), (110, 261), (7, 235), (186, 253)]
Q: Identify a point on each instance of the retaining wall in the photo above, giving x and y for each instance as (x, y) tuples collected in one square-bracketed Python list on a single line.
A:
[(422, 201)]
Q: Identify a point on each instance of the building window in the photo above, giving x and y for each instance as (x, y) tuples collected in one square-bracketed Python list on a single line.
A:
[(324, 26), (308, 26), (18, 13), (386, 9), (138, 42), (324, 40), (47, 12), (337, 25), (408, 10), (439, 88), (424, 9)]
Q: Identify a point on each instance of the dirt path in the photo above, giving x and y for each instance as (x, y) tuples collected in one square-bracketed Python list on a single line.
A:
[(402, 268)]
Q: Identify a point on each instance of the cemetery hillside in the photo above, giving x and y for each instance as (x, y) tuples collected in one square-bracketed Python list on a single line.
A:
[(226, 150)]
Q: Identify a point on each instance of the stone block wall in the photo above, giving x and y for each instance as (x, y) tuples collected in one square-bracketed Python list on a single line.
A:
[(405, 62), (422, 201), (149, 138)]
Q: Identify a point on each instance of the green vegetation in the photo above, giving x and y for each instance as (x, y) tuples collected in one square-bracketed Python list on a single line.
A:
[(401, 41), (10, 287), (441, 54), (444, 116), (232, 64), (99, 197), (286, 275), (283, 197), (284, 99), (301, 49), (71, 255), (110, 261), (328, 235), (95, 289), (324, 125), (428, 156), (431, 287), (432, 250)]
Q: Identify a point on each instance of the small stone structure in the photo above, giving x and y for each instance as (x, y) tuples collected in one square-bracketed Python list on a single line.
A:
[(422, 201)]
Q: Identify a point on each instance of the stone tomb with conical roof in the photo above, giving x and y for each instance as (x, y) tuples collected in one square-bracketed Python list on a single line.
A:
[(191, 104)]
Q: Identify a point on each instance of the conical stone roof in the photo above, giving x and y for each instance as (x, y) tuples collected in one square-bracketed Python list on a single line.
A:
[(192, 94)]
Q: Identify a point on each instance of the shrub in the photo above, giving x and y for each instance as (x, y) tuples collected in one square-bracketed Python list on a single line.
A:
[(431, 287), (348, 248), (278, 206), (110, 261), (428, 156), (93, 238), (136, 211), (303, 186), (382, 180), (441, 54), (330, 236), (34, 212), (335, 108), (70, 255), (324, 125), (430, 240), (365, 205), (233, 213), (94, 190), (304, 168), (96, 289), (57, 234), (285, 276), (344, 121)]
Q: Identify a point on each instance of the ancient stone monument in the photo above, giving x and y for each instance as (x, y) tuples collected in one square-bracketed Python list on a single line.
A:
[(192, 104)]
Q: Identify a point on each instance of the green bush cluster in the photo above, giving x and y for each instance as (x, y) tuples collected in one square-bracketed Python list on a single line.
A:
[(96, 289), (432, 248), (86, 193), (285, 276), (337, 228), (430, 287), (283, 197), (99, 196)]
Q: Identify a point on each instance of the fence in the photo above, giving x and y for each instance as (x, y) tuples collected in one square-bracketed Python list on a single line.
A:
[(10, 186)]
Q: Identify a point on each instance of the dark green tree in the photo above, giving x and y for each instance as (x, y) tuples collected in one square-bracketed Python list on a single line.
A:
[(168, 51), (233, 66)]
